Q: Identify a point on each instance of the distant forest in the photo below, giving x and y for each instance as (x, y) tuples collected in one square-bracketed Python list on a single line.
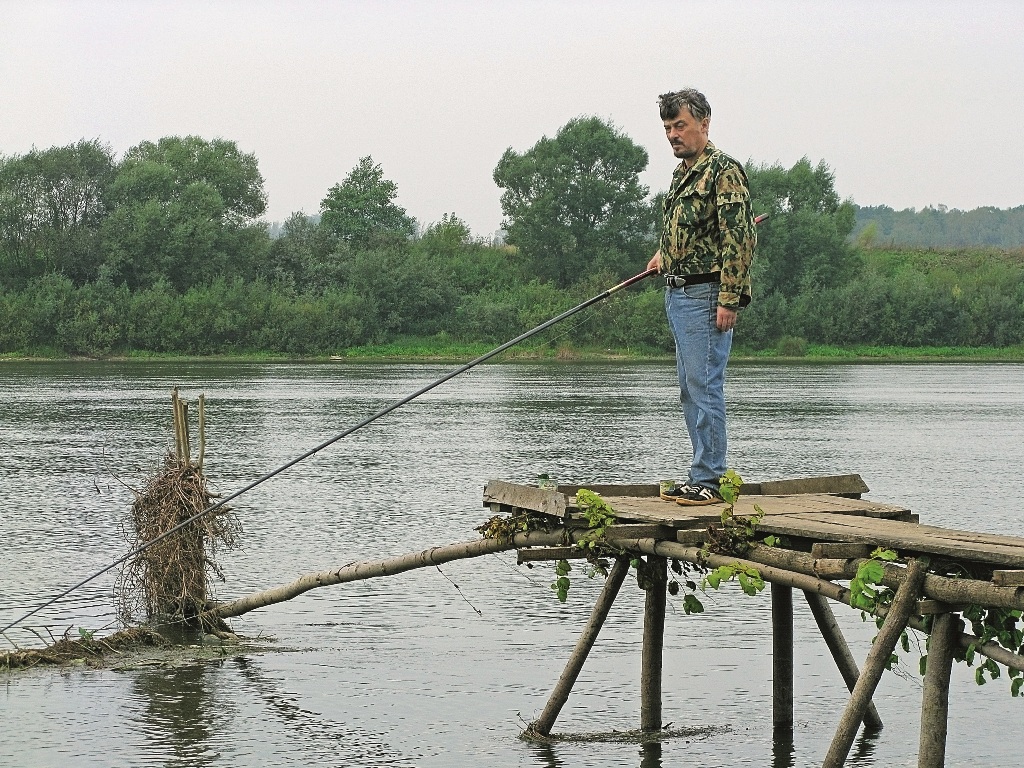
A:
[(164, 251), (941, 227)]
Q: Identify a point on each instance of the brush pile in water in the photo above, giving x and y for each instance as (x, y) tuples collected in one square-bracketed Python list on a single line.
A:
[(167, 577)]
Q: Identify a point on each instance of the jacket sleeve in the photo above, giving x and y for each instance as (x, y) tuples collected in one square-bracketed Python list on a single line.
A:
[(737, 236)]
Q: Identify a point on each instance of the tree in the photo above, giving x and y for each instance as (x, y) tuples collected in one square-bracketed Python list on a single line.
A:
[(360, 211), (184, 210), (574, 203), (51, 205), (803, 244)]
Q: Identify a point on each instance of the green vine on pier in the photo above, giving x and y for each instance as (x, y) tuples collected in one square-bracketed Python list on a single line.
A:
[(733, 538), (599, 516), (1001, 626)]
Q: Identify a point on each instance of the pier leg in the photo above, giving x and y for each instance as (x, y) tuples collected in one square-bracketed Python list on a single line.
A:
[(563, 687), (935, 701), (782, 657), (654, 643), (836, 643), (893, 626)]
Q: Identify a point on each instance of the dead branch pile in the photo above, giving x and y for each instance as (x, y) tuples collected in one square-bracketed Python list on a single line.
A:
[(167, 578)]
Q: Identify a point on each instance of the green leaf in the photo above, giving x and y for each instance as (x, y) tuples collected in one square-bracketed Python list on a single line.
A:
[(744, 582), (979, 675), (922, 665), (870, 572), (691, 604), (885, 554), (771, 541), (905, 642), (1015, 686)]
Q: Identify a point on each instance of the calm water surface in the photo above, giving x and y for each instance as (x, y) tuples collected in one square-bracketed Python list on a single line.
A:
[(404, 671)]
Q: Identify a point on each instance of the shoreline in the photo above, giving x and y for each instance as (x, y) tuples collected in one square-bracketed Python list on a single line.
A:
[(396, 353)]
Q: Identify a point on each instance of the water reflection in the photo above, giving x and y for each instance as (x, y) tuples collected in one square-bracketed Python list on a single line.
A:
[(313, 733), (650, 755), (783, 749), (180, 715)]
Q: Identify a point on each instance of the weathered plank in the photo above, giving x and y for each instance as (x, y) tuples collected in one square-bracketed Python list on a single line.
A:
[(693, 537), (954, 544), (815, 502), (1008, 578), (524, 497), (840, 550), (660, 512), (606, 489), (836, 484)]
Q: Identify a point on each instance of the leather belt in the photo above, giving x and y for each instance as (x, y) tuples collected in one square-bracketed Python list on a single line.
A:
[(678, 281)]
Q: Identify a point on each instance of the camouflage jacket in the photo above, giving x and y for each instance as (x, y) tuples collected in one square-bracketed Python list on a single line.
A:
[(707, 224)]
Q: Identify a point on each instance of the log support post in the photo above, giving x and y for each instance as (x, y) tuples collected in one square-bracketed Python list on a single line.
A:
[(782, 657), (654, 643), (840, 650), (543, 724), (935, 701), (878, 657)]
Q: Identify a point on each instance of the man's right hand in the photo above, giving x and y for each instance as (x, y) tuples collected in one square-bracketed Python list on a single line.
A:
[(655, 262)]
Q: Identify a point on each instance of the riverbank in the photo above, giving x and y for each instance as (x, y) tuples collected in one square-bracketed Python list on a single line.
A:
[(425, 351)]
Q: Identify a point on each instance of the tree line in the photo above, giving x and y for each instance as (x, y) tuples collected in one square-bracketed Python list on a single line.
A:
[(940, 227), (163, 251)]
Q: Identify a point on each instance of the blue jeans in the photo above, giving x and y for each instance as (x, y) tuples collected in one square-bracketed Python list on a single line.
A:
[(702, 352)]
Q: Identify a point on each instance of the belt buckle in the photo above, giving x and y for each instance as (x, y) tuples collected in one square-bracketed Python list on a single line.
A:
[(675, 281)]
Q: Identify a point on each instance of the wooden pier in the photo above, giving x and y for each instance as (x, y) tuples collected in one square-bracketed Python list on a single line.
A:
[(822, 532)]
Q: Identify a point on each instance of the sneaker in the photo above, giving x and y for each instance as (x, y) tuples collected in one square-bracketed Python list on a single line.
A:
[(676, 492), (698, 495)]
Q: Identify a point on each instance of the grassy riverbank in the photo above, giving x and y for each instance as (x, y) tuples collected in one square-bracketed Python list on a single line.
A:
[(427, 350)]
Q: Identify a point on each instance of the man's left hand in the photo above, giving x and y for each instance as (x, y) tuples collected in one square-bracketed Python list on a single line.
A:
[(726, 320)]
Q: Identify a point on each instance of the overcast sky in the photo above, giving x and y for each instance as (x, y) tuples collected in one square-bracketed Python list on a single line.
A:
[(910, 103)]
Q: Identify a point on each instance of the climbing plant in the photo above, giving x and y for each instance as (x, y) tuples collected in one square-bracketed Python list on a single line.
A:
[(1000, 626)]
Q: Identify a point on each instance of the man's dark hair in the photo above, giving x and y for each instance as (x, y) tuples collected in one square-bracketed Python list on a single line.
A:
[(670, 104)]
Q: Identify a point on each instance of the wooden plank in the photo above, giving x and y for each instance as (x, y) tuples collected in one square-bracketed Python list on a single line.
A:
[(1008, 578), (927, 606), (610, 490), (956, 545), (816, 503), (525, 497), (836, 484), (656, 510), (693, 537), (839, 550)]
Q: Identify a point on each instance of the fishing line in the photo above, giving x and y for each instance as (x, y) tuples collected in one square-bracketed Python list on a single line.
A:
[(359, 425)]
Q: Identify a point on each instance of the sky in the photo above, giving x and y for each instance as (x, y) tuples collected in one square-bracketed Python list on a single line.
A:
[(910, 103)]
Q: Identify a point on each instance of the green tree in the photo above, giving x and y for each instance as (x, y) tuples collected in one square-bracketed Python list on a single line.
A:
[(574, 204), (803, 244), (361, 212), (51, 205), (184, 210), (300, 259)]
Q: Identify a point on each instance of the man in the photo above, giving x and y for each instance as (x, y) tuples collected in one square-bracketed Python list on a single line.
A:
[(707, 243)]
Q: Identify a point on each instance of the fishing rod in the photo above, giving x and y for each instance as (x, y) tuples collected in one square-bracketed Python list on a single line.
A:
[(368, 420)]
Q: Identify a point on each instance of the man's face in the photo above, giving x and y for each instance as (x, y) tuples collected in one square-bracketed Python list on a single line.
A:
[(687, 135)]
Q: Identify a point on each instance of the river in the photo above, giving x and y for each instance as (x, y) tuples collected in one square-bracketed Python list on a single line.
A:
[(444, 667)]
